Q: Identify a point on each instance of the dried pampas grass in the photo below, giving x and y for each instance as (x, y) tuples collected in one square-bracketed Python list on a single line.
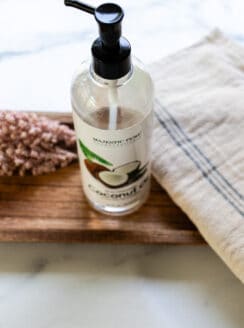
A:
[(33, 144)]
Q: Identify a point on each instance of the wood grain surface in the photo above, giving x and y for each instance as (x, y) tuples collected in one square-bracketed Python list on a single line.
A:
[(52, 208)]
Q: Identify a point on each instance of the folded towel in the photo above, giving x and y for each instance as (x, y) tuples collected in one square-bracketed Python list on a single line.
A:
[(198, 153)]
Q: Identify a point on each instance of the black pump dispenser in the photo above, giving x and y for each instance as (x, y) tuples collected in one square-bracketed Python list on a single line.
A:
[(111, 53)]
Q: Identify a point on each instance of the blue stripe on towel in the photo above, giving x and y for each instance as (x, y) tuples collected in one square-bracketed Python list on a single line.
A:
[(201, 161)]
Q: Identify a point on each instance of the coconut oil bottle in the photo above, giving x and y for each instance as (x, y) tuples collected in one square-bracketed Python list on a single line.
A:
[(112, 101)]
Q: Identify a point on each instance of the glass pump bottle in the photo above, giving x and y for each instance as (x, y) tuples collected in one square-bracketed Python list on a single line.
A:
[(112, 102)]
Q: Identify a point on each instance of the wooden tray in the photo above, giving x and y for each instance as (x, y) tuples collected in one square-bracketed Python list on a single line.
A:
[(52, 208)]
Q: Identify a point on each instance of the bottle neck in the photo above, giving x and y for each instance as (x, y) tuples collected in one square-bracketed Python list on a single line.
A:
[(105, 82)]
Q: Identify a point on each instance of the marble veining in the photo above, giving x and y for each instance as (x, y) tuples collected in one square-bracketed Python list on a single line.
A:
[(120, 286), (71, 286)]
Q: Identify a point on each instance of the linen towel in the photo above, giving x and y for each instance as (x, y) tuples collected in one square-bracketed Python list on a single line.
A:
[(198, 153)]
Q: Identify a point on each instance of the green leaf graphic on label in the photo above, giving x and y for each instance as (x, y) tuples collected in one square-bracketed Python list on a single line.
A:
[(91, 155)]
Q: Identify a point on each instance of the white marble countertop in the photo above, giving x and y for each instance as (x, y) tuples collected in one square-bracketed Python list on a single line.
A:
[(90, 286), (71, 286)]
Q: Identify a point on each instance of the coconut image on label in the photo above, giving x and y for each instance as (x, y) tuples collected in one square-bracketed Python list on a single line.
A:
[(118, 177), (113, 180), (127, 168), (121, 175)]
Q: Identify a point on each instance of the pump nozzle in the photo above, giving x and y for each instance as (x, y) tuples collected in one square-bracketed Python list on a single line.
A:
[(79, 5), (110, 51), (108, 16)]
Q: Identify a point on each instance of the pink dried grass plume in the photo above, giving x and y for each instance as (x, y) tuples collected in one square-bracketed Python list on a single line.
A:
[(33, 144)]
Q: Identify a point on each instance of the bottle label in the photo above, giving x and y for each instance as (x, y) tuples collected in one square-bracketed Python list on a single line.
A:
[(115, 164)]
